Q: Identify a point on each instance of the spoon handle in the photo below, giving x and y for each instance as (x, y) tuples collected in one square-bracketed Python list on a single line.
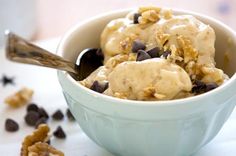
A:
[(20, 50)]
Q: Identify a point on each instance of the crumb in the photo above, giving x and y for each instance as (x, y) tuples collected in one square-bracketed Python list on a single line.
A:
[(20, 98)]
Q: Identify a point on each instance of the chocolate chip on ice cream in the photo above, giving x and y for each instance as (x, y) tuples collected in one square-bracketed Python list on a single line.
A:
[(136, 16), (154, 52), (138, 45), (142, 55), (99, 87)]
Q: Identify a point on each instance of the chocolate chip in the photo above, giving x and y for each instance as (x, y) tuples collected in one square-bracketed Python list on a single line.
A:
[(58, 115), (69, 115), (31, 118), (211, 86), (32, 107), (42, 120), (11, 125), (138, 45), (198, 87), (142, 55), (136, 16), (154, 52), (59, 133), (43, 113), (166, 53), (99, 86)]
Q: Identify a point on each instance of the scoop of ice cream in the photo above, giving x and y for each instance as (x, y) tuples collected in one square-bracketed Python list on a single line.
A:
[(184, 45), (153, 79), (190, 41)]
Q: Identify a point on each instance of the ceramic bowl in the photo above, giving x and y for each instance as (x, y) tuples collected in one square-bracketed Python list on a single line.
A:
[(159, 128)]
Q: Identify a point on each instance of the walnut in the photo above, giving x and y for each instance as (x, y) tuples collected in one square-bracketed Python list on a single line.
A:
[(149, 91), (162, 37), (114, 61), (149, 14), (43, 149), (120, 95), (189, 53), (147, 8), (20, 98), (39, 135)]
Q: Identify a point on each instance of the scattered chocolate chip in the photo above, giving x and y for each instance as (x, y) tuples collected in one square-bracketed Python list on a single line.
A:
[(42, 120), (99, 87), (43, 113), (11, 125), (154, 52), (136, 16), (7, 80), (138, 45), (69, 115), (198, 87), (142, 55), (59, 133), (166, 53), (211, 86), (58, 115), (31, 118), (32, 107)]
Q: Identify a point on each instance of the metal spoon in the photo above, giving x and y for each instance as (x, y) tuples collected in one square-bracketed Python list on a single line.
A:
[(20, 50)]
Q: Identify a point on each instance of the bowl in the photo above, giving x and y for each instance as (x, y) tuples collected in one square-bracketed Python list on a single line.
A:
[(140, 128)]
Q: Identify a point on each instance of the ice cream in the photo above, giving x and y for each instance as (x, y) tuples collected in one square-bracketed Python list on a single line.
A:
[(152, 54)]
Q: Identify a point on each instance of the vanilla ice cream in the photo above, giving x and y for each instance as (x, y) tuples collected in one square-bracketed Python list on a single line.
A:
[(152, 54)]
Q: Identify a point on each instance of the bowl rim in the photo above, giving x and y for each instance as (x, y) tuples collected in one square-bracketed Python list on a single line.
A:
[(64, 40)]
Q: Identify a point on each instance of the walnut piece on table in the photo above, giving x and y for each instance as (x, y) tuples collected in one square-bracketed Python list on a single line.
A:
[(36, 144), (20, 98)]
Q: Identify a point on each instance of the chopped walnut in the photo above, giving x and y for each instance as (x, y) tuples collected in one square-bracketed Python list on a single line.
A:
[(132, 56), (190, 53), (39, 135), (120, 95), (149, 15), (149, 91), (20, 98), (162, 38), (114, 61), (147, 8), (43, 149), (175, 54), (125, 45)]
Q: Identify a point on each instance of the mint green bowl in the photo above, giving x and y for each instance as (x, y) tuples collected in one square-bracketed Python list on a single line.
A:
[(138, 128)]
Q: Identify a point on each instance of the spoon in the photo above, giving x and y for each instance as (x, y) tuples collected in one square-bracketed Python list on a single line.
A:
[(20, 50)]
